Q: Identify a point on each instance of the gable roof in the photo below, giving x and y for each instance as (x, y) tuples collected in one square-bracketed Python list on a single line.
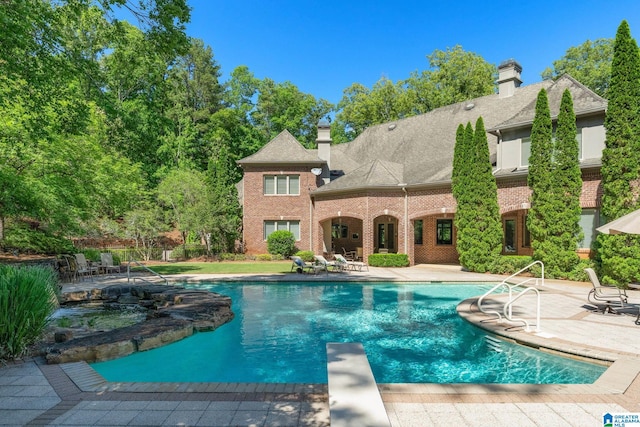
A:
[(375, 174), (283, 149), (585, 101), (418, 150)]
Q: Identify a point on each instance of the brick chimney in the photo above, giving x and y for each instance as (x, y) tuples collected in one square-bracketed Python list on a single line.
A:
[(508, 78), (324, 142)]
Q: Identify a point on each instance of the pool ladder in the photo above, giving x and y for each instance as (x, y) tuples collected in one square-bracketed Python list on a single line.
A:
[(507, 308), (142, 279)]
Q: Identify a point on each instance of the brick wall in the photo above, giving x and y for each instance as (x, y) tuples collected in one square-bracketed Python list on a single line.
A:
[(258, 207), (362, 211)]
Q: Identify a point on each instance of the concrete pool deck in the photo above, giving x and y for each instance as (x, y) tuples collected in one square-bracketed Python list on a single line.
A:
[(33, 393)]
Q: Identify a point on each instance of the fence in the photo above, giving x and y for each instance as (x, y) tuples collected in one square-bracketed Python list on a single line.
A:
[(154, 253)]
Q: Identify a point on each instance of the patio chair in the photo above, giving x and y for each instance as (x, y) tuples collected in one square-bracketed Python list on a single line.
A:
[(350, 265), (349, 255), (609, 297), (301, 266), (68, 268), (84, 267), (106, 263)]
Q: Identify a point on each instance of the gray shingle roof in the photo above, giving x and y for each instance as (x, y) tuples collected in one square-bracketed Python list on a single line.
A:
[(419, 150), (283, 149), (584, 102)]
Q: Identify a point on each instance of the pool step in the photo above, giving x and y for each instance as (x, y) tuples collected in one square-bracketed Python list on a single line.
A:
[(493, 343), (354, 398)]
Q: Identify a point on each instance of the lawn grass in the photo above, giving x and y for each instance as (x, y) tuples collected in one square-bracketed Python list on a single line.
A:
[(225, 267)]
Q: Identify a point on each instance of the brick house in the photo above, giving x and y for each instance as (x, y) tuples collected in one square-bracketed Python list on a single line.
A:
[(390, 188)]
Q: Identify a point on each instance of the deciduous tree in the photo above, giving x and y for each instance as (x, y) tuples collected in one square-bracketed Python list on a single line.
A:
[(589, 63)]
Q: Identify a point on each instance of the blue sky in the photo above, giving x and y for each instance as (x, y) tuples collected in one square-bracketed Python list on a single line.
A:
[(323, 47)]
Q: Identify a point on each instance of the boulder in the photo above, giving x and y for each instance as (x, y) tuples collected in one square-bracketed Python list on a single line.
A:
[(173, 313)]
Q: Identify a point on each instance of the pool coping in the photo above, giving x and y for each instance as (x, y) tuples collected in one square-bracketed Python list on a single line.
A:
[(615, 380)]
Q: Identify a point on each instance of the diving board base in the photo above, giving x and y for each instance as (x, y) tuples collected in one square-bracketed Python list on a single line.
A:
[(354, 399)]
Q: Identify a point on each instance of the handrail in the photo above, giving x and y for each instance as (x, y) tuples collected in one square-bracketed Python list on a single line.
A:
[(490, 291), (166, 281), (507, 308), (525, 269)]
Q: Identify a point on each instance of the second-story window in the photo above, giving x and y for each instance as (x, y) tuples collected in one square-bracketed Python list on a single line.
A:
[(525, 151), (282, 185)]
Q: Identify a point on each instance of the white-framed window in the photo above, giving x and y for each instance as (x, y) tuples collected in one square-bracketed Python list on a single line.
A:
[(292, 226), (525, 151), (281, 185)]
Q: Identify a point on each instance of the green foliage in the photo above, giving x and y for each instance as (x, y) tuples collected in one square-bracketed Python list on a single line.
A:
[(281, 242), (27, 299), (269, 257), (589, 63), (453, 76), (556, 183), (619, 255), (388, 260), (509, 264), (92, 255), (188, 251), (306, 256), (540, 179), (478, 223), (26, 239)]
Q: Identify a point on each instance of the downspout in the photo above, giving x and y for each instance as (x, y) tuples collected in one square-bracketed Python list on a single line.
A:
[(311, 223), (406, 220)]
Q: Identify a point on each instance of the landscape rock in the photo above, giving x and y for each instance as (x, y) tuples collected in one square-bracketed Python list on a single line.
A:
[(173, 313)]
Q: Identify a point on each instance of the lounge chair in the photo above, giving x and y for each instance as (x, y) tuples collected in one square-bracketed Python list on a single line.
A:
[(325, 265), (609, 297), (84, 267), (350, 265), (106, 263), (301, 266)]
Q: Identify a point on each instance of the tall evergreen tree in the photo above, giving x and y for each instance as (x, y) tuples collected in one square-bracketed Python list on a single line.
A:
[(540, 180), (459, 158), (567, 187), (619, 255), (478, 214), (462, 178)]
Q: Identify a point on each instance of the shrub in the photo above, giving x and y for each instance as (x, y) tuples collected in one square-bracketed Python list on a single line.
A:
[(578, 274), (281, 242), (509, 264), (28, 240), (388, 260), (268, 257), (306, 256), (92, 254), (27, 299)]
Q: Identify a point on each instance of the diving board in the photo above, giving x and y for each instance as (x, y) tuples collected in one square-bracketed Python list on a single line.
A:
[(354, 399)]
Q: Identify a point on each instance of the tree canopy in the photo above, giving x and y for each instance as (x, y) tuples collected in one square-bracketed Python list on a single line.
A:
[(589, 63)]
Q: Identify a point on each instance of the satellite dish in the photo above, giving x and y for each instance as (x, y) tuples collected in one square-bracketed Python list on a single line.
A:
[(316, 171)]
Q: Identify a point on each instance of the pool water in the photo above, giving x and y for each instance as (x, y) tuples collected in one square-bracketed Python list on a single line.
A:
[(411, 334)]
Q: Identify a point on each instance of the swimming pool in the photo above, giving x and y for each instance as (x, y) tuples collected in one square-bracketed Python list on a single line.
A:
[(411, 334)]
